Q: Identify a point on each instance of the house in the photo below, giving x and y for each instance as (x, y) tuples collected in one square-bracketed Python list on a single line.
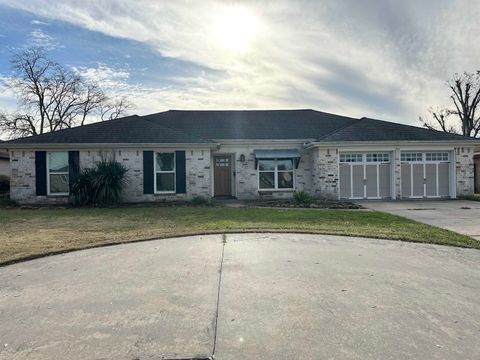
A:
[(476, 159), (4, 163), (248, 154)]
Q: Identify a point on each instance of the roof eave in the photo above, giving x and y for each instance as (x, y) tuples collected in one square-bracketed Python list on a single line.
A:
[(48, 146), (469, 142)]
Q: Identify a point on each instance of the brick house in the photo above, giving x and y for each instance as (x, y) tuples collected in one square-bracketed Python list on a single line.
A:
[(248, 154)]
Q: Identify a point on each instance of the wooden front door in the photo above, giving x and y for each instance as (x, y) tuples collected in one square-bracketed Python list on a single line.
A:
[(223, 175)]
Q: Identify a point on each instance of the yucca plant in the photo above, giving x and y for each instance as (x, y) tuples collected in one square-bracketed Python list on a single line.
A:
[(302, 197), (101, 185)]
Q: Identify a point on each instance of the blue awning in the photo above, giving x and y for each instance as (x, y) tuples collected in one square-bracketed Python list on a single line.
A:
[(277, 154)]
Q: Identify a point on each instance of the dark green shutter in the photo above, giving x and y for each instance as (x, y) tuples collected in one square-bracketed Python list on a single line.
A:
[(73, 167), (41, 173), (148, 172), (180, 172)]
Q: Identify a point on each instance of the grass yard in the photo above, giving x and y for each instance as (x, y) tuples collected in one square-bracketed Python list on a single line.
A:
[(28, 233)]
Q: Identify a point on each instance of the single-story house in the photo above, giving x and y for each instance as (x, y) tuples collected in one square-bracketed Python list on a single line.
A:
[(4, 163), (476, 160), (248, 155)]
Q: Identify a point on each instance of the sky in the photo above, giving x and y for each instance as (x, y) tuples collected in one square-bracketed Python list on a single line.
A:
[(385, 59)]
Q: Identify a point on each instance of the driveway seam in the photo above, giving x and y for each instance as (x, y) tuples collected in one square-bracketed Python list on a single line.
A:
[(224, 241)]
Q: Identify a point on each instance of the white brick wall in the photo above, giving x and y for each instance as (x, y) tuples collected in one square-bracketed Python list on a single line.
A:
[(245, 184), (464, 171), (325, 173), (317, 173), (197, 170), (22, 181)]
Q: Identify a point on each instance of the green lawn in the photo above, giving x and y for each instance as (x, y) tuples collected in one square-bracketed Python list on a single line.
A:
[(27, 233)]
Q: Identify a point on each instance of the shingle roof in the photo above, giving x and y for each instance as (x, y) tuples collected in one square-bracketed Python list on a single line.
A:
[(366, 129), (253, 124), (205, 127), (128, 130)]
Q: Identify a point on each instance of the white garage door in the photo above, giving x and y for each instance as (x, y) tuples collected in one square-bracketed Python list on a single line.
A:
[(425, 174), (365, 175)]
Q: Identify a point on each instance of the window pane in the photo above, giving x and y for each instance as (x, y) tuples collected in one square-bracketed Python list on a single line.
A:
[(58, 183), (381, 157), (285, 180), (267, 180), (266, 165), (165, 182), (58, 161), (165, 161), (286, 164), (351, 157)]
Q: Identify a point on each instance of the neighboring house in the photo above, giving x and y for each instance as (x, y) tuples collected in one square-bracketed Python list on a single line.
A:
[(4, 162), (248, 155), (476, 159)]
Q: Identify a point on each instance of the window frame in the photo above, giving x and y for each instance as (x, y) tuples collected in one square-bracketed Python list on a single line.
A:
[(377, 157), (275, 174), (351, 157), (436, 154), (404, 159), (174, 171), (47, 164)]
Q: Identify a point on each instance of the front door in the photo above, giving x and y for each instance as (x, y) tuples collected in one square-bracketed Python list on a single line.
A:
[(223, 175)]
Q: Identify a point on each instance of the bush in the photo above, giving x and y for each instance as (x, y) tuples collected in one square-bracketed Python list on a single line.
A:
[(200, 201), (5, 201), (302, 197), (99, 186), (4, 184)]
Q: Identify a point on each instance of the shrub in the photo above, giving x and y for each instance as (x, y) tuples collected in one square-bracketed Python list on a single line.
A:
[(99, 186), (302, 197), (200, 201), (5, 201), (4, 184)]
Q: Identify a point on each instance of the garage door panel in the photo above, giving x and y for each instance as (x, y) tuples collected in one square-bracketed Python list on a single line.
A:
[(444, 179), (371, 183), (406, 180), (417, 180), (384, 182), (358, 182), (431, 179), (345, 181)]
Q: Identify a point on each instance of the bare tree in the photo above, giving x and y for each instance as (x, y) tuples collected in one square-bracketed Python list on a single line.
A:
[(465, 96), (52, 97)]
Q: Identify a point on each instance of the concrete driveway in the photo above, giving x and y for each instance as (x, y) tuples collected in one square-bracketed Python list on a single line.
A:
[(461, 216), (250, 296)]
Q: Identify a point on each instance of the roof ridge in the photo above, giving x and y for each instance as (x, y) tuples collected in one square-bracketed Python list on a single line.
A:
[(340, 129)]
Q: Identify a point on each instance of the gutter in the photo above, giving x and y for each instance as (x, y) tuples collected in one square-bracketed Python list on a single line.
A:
[(391, 143), (146, 146)]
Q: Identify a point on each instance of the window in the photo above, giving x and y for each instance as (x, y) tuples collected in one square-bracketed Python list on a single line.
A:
[(57, 169), (275, 174), (381, 157), (436, 156), (346, 158), (165, 172), (411, 156)]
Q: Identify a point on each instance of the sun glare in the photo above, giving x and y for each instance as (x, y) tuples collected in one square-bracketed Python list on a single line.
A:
[(236, 28)]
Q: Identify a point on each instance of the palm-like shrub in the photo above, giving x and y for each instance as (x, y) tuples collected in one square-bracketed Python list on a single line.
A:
[(101, 185), (302, 197)]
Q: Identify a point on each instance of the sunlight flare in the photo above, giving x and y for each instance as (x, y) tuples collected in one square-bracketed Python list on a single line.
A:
[(236, 28)]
